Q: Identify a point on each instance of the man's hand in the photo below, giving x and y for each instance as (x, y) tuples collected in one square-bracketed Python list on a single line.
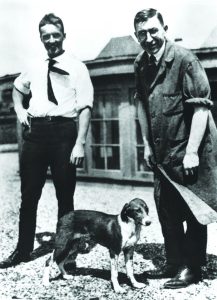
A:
[(148, 156), (77, 155), (190, 163), (23, 117)]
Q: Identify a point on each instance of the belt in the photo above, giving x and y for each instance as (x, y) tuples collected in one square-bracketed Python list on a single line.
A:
[(50, 119)]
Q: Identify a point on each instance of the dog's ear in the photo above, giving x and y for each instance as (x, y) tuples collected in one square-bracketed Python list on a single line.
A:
[(124, 217)]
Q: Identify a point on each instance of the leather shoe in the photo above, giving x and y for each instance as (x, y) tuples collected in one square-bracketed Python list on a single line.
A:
[(14, 259), (168, 271), (185, 277)]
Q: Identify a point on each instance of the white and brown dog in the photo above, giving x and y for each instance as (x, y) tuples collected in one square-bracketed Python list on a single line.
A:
[(79, 231)]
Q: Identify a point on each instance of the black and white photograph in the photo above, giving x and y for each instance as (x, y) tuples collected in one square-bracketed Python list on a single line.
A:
[(108, 150)]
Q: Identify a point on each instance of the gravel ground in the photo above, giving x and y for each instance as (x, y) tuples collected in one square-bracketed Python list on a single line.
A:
[(92, 277)]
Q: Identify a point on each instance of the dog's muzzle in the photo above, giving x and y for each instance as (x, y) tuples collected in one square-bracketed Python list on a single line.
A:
[(145, 223)]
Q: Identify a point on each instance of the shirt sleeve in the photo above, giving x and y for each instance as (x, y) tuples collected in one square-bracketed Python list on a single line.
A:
[(22, 83), (84, 89), (196, 85)]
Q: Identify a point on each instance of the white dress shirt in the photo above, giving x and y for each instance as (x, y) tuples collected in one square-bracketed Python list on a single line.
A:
[(73, 92), (159, 54)]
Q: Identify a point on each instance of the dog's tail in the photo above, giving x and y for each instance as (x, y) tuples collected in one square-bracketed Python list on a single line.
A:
[(46, 275)]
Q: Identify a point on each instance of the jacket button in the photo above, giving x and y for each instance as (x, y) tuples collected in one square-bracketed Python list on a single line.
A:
[(157, 141)]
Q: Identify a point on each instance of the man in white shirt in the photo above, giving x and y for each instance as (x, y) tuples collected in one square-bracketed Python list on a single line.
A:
[(61, 91)]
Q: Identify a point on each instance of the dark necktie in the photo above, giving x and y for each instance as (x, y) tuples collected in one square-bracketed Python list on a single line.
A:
[(152, 69), (50, 93)]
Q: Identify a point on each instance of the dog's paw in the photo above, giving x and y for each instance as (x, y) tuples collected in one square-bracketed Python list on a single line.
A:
[(68, 276), (46, 279), (46, 282), (119, 290), (138, 285)]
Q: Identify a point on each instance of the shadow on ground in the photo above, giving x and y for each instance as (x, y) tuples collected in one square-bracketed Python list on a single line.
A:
[(156, 253), (102, 274), (150, 251), (46, 244)]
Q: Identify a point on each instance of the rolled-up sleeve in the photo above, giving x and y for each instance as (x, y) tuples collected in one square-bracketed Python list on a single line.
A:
[(22, 83), (84, 89), (196, 87)]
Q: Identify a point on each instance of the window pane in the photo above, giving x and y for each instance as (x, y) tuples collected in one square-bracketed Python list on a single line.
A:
[(139, 139), (6, 101), (98, 157), (213, 86), (112, 132), (140, 159), (97, 132), (112, 102), (141, 165), (7, 95), (98, 107), (113, 158)]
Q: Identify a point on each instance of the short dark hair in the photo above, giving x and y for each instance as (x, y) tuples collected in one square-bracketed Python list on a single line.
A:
[(145, 14), (51, 19)]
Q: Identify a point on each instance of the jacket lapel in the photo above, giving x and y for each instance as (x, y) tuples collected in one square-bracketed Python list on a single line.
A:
[(144, 70), (167, 57)]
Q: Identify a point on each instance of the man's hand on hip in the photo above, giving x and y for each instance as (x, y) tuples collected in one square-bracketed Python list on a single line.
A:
[(77, 155), (22, 116), (190, 163)]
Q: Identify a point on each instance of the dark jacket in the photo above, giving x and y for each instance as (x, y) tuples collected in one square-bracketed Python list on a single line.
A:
[(180, 84)]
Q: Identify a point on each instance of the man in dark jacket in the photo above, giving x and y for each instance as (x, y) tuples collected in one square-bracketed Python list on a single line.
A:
[(172, 93)]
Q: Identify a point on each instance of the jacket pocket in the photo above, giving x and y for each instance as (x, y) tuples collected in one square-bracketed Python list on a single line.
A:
[(173, 112), (172, 104)]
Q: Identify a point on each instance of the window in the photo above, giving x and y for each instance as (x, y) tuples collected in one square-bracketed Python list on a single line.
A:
[(6, 101), (213, 86), (140, 148), (105, 131)]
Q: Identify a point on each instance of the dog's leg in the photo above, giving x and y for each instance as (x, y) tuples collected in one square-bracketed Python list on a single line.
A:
[(114, 273), (128, 255), (61, 264), (71, 251), (63, 271), (46, 276)]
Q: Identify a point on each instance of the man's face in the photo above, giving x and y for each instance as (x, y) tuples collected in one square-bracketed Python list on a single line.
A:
[(52, 37), (150, 35)]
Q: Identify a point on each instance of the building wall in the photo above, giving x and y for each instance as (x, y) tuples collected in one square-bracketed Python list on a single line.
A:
[(7, 116), (114, 145), (212, 75)]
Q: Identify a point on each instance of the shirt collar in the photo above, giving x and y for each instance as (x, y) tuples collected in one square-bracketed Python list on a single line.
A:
[(61, 61), (159, 54), (58, 58)]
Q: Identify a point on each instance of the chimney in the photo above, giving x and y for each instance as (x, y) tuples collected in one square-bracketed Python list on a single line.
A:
[(178, 40)]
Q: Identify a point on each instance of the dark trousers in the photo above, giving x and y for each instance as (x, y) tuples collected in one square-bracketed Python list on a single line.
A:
[(46, 144), (181, 246)]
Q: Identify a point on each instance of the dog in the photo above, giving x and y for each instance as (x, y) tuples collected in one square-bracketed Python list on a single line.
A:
[(79, 231)]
